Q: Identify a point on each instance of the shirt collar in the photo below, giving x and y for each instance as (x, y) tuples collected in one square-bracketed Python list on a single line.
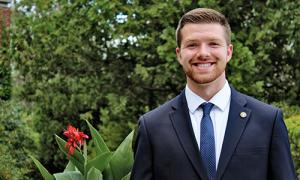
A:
[(220, 100)]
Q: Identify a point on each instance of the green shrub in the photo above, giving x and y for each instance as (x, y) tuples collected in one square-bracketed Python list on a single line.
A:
[(15, 142), (5, 68), (293, 125), (107, 165), (288, 110)]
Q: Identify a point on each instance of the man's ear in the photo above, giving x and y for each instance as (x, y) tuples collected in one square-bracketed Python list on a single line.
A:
[(229, 52), (178, 55)]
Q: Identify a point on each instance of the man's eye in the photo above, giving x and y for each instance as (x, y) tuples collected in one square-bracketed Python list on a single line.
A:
[(214, 44), (191, 45)]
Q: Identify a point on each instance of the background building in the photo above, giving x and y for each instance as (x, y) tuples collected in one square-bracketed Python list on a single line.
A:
[(4, 16)]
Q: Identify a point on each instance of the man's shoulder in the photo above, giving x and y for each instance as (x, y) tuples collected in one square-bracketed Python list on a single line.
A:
[(256, 104), (164, 109)]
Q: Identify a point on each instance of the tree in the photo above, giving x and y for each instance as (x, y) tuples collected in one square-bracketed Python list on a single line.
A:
[(111, 61), (5, 70), (60, 56), (271, 31), (17, 142)]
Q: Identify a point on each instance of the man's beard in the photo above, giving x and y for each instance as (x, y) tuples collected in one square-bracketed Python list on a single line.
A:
[(203, 78)]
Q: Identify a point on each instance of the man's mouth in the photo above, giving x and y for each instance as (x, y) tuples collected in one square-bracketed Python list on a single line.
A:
[(203, 65)]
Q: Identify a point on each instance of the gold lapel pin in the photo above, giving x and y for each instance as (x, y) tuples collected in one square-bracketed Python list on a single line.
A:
[(243, 114)]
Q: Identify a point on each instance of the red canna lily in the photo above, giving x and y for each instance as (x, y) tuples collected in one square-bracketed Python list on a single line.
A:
[(75, 138)]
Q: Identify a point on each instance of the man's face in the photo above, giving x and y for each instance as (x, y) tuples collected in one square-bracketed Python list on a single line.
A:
[(204, 52)]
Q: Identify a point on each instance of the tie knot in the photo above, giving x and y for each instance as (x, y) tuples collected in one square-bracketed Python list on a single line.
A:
[(206, 107)]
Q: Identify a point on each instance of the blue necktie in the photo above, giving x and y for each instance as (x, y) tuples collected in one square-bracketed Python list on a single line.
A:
[(207, 141)]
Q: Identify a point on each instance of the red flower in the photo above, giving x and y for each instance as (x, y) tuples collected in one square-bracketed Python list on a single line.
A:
[(75, 138)]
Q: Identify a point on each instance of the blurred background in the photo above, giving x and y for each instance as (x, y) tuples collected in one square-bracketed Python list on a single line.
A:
[(110, 61)]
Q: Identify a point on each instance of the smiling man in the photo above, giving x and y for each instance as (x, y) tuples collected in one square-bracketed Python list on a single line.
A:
[(210, 131), (203, 52)]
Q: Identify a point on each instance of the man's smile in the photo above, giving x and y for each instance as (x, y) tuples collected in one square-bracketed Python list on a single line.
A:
[(203, 65)]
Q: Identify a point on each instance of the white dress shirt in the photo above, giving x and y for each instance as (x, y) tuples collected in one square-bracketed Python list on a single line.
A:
[(218, 114)]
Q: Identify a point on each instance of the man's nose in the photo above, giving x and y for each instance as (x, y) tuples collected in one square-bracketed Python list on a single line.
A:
[(203, 51)]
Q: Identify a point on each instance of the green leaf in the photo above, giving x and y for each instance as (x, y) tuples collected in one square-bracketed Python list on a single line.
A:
[(77, 158), (46, 175), (70, 167), (127, 177), (122, 159), (94, 174), (100, 144), (107, 173), (100, 162), (70, 175)]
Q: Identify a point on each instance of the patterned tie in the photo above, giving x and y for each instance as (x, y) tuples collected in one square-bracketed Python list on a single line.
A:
[(207, 144)]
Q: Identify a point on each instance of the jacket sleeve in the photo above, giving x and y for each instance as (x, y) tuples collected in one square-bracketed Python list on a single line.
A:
[(142, 167), (281, 163)]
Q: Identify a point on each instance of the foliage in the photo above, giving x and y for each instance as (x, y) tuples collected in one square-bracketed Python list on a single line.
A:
[(61, 60), (293, 124), (16, 141), (270, 29), (5, 70), (288, 110), (105, 165), (114, 60)]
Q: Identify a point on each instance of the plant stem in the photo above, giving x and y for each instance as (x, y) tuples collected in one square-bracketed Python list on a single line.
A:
[(85, 160)]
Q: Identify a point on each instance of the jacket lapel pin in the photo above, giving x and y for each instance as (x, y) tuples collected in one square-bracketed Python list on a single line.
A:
[(243, 115)]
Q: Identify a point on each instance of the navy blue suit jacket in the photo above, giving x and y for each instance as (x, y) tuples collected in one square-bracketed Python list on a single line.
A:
[(255, 147)]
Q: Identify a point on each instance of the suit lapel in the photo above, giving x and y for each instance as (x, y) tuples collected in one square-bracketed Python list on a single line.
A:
[(235, 127), (182, 124)]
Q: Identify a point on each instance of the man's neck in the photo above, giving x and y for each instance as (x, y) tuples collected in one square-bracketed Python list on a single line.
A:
[(208, 90)]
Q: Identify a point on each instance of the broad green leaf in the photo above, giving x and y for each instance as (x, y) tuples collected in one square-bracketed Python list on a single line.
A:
[(107, 173), (100, 144), (122, 159), (127, 177), (77, 158), (46, 175), (100, 162), (70, 175), (70, 167), (94, 174)]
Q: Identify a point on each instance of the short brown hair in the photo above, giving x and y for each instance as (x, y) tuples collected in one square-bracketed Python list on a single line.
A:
[(203, 15)]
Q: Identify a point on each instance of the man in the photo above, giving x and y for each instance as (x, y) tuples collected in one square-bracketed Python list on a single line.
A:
[(210, 131)]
